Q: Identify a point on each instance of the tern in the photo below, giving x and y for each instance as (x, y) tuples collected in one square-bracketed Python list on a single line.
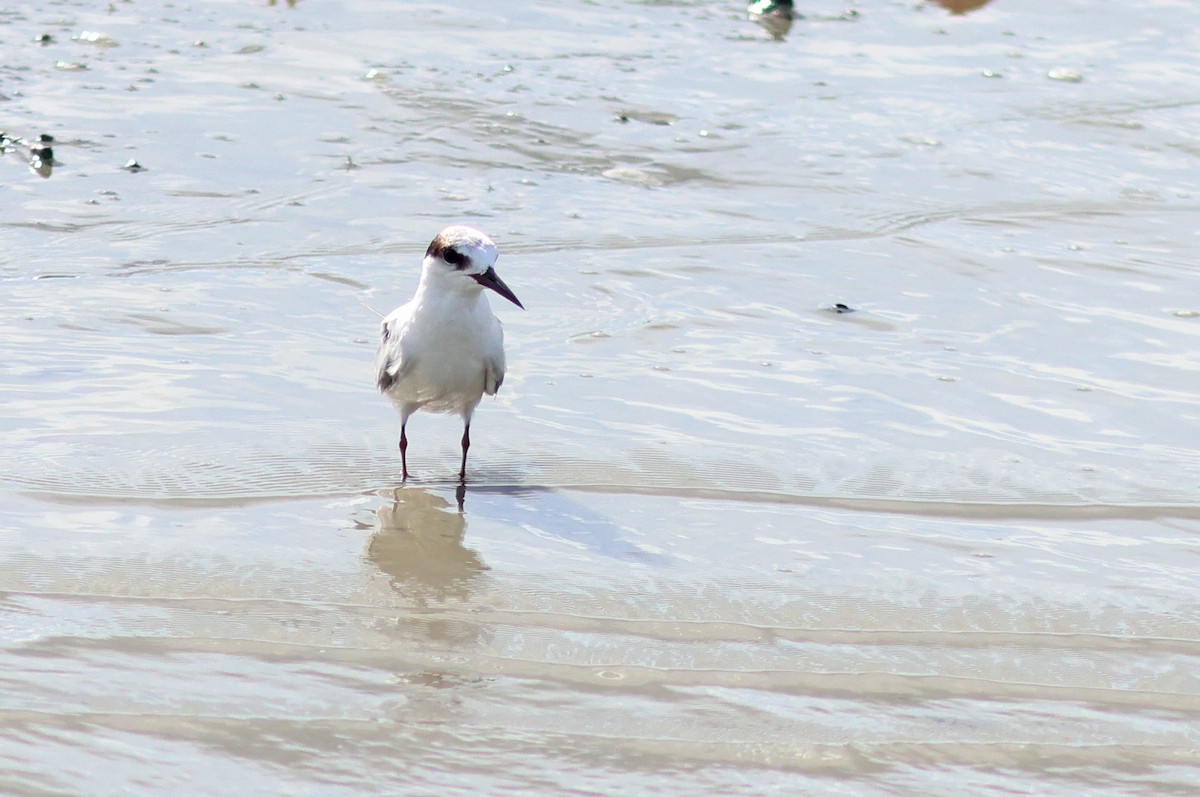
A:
[(444, 349)]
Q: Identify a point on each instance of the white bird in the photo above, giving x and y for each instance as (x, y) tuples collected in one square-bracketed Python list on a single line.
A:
[(444, 349)]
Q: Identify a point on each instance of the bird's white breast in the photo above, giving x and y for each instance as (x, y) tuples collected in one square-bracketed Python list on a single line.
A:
[(450, 344)]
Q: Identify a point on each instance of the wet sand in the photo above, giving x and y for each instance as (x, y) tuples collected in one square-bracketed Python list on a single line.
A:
[(717, 537)]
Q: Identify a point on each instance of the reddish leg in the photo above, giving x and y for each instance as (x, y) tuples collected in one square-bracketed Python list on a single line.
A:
[(403, 452), (466, 443)]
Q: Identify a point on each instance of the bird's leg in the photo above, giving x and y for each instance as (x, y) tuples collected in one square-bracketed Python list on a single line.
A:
[(466, 443), (403, 452)]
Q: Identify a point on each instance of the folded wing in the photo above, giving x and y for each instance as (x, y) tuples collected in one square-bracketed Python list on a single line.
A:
[(390, 360)]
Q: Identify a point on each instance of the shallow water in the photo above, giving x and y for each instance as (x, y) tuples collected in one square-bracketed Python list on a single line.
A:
[(717, 538)]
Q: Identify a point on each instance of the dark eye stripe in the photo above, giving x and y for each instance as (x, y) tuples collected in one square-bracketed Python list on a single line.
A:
[(454, 258)]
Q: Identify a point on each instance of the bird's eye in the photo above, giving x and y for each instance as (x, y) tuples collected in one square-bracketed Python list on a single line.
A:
[(454, 258)]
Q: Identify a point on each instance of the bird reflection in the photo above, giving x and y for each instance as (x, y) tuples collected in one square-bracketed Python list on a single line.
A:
[(419, 546), (961, 6)]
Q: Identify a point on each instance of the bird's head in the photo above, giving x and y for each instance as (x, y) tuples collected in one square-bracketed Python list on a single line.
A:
[(462, 259)]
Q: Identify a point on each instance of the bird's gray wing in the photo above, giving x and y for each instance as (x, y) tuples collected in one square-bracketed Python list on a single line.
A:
[(391, 361), (494, 364)]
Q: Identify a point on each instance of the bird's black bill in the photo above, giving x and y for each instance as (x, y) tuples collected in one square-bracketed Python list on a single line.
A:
[(490, 279)]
